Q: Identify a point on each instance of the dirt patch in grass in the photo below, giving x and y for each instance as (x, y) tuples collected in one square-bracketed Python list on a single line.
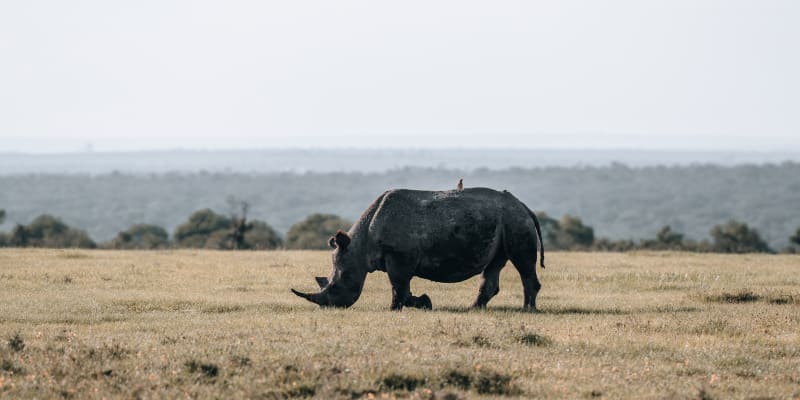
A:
[(205, 370), (534, 339), (16, 343), (482, 382), (221, 308), (780, 299), (749, 296), (475, 341), (585, 311), (163, 305), (11, 366), (143, 306), (401, 382), (741, 296), (716, 327), (73, 255)]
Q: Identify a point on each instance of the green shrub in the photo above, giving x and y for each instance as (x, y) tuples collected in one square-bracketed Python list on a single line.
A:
[(737, 237), (49, 231), (141, 236), (313, 232)]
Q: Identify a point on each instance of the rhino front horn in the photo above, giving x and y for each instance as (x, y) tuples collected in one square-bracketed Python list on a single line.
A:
[(312, 297)]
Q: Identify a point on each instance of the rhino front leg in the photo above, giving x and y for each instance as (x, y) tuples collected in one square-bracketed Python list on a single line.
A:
[(400, 292), (400, 272)]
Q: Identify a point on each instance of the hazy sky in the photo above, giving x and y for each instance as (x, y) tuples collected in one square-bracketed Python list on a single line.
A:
[(235, 74)]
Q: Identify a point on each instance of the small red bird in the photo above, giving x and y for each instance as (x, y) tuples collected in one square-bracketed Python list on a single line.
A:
[(460, 186)]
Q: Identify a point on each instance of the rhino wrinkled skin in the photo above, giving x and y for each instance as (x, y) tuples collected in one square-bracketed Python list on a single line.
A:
[(446, 236)]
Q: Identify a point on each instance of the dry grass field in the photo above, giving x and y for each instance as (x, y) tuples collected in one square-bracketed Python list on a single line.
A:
[(205, 324)]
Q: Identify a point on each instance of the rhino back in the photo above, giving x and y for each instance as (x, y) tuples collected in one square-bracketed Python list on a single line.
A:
[(454, 234)]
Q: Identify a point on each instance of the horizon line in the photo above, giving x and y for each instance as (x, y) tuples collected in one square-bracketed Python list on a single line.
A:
[(92, 151)]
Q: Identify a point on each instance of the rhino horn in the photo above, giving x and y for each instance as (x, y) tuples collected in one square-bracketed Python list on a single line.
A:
[(322, 281), (312, 297)]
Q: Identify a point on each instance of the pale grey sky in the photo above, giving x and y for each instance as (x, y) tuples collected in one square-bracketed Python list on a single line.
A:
[(672, 74)]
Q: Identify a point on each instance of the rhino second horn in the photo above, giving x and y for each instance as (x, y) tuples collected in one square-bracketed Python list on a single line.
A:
[(322, 281)]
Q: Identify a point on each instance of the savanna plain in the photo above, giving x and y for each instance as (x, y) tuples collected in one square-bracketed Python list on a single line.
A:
[(212, 324)]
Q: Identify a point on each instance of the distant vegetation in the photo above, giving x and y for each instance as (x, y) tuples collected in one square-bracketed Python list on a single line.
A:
[(141, 236), (592, 208), (46, 231), (209, 230), (314, 231)]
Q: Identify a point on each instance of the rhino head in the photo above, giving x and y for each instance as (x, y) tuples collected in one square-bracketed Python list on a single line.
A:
[(344, 286)]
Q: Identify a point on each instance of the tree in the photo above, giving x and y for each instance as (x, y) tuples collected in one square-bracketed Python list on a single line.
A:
[(605, 244), (314, 231), (207, 229), (49, 231), (796, 238), (3, 236), (549, 228), (666, 239), (569, 233), (573, 234), (737, 237), (141, 236), (199, 229), (262, 237), (239, 228)]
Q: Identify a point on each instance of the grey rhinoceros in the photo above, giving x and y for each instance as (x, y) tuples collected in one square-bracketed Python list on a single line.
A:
[(446, 236)]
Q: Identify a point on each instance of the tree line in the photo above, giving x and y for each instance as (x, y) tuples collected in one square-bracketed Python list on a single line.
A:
[(205, 229), (620, 202), (570, 233), (210, 230)]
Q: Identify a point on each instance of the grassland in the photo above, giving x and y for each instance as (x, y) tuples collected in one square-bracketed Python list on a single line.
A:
[(204, 324)]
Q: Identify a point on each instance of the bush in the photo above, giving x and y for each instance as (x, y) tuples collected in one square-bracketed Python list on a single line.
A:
[(196, 231), (207, 229), (737, 237), (313, 232), (49, 231), (605, 244), (569, 233), (141, 236), (261, 236)]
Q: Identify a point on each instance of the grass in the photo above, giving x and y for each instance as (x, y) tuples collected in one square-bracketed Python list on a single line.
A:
[(205, 324)]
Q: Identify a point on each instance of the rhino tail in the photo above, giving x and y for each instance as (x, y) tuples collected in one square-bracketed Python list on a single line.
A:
[(538, 233)]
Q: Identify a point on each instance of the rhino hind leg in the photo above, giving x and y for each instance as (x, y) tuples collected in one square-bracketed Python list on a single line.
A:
[(526, 266), (490, 282)]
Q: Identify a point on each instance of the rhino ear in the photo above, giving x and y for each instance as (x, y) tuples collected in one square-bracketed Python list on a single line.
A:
[(342, 239), (332, 242), (322, 281)]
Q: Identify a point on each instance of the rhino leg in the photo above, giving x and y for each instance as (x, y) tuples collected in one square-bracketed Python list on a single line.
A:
[(400, 273), (526, 266), (490, 282)]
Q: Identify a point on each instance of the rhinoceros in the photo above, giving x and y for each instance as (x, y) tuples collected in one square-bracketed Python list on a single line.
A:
[(443, 236)]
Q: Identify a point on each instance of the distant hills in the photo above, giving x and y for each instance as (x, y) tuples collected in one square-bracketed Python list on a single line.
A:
[(619, 201), (365, 160)]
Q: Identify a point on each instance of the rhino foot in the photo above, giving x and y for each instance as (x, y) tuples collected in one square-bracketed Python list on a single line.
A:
[(422, 302)]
